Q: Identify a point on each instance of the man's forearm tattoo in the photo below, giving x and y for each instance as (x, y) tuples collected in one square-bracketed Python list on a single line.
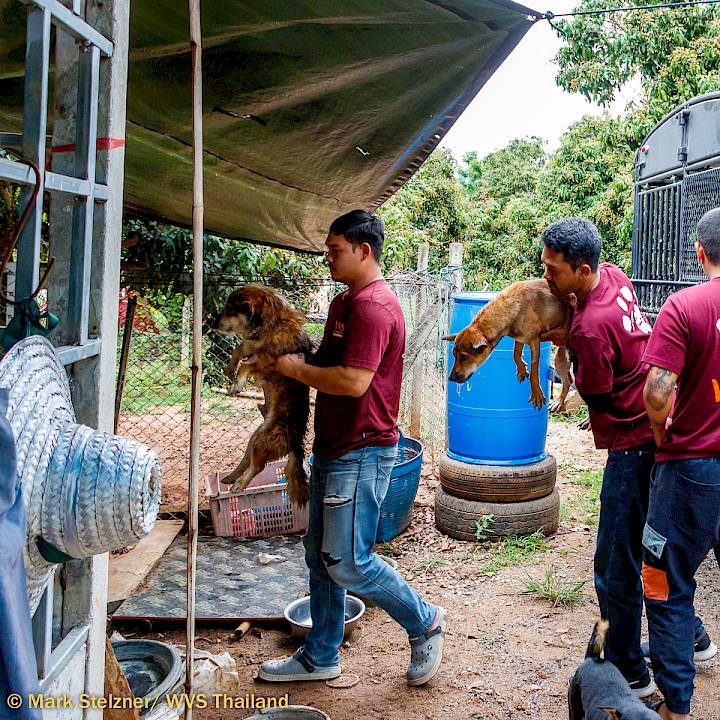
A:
[(660, 386)]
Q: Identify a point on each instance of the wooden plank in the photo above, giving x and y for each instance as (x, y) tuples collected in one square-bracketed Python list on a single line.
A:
[(128, 571)]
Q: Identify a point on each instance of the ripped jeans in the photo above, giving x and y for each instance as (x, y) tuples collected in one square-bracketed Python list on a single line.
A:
[(345, 498)]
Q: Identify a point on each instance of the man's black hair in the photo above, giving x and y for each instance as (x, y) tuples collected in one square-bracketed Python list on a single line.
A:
[(360, 227), (708, 235), (577, 239)]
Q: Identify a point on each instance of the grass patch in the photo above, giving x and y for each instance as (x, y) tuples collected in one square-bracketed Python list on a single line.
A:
[(584, 506), (559, 592), (314, 329), (387, 549), (220, 408), (483, 532), (577, 417), (515, 550), (429, 566), (467, 556)]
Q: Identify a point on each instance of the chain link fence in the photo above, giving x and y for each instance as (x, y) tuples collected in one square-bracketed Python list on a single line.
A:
[(155, 403)]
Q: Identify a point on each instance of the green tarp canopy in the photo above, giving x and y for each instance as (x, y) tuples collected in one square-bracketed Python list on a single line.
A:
[(346, 100)]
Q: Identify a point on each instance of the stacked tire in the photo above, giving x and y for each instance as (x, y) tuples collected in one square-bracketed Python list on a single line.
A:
[(520, 498)]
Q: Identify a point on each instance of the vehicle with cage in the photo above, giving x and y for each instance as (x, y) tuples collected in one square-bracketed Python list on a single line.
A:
[(677, 180)]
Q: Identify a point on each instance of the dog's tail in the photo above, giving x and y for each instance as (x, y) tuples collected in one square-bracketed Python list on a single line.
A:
[(597, 639), (296, 478)]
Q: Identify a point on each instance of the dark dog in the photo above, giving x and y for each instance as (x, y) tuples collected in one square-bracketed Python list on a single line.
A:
[(269, 327), (598, 690), (523, 310)]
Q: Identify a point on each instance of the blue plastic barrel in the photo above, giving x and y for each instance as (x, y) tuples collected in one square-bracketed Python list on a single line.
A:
[(490, 419), (396, 509)]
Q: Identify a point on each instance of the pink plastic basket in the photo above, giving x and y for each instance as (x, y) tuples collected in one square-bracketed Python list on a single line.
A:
[(263, 509)]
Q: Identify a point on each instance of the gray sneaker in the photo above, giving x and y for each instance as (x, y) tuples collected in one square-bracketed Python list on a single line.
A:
[(295, 667), (426, 652)]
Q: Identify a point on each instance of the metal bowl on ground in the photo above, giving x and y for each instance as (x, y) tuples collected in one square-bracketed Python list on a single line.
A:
[(291, 712), (152, 668), (297, 613)]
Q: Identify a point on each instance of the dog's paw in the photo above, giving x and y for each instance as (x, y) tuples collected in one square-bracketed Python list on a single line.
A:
[(235, 389), (239, 485), (584, 424), (557, 407), (522, 373), (537, 398)]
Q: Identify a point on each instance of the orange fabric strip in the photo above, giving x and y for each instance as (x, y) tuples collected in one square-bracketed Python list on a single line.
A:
[(655, 583), (716, 388)]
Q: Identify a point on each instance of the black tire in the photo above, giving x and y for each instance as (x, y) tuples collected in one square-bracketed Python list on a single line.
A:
[(457, 517), (498, 483)]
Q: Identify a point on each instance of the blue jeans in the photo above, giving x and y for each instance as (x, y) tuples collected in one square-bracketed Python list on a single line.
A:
[(345, 498), (618, 555), (683, 525)]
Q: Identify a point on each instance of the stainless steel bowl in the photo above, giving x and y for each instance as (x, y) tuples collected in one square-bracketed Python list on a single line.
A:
[(291, 712), (297, 613)]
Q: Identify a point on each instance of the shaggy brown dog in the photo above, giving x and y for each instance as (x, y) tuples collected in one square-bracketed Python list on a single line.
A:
[(269, 327), (523, 310)]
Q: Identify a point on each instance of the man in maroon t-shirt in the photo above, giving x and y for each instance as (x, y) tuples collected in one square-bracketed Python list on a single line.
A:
[(683, 521), (358, 374), (607, 338)]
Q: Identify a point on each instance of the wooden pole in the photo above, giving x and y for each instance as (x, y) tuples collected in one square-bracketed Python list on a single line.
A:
[(456, 266), (418, 381), (197, 223)]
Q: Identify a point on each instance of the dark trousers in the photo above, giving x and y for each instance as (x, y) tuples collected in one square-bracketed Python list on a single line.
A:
[(683, 525), (619, 552)]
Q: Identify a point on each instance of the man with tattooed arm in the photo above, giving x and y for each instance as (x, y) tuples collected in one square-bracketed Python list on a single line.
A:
[(608, 337), (683, 521)]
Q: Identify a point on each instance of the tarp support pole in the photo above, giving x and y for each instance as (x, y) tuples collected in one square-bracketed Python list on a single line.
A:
[(197, 227)]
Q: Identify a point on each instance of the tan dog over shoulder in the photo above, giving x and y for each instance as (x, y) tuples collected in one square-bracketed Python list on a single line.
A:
[(523, 310)]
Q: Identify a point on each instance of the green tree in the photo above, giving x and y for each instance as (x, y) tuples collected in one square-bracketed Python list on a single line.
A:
[(157, 263), (430, 208), (505, 218), (591, 175), (506, 173), (673, 51)]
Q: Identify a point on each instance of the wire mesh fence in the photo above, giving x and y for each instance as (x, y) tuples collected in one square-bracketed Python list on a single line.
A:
[(155, 404)]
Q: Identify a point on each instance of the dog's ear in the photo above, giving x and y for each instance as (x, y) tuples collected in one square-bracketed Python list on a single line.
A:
[(612, 713), (250, 311), (450, 337), (479, 342)]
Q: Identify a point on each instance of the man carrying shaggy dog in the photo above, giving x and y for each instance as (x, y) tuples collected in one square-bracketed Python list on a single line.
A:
[(357, 372), (683, 521), (608, 337)]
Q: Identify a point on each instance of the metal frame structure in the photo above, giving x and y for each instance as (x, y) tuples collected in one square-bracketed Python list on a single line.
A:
[(84, 284), (677, 180), (42, 15)]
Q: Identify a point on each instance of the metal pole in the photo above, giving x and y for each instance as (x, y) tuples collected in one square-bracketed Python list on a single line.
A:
[(197, 221)]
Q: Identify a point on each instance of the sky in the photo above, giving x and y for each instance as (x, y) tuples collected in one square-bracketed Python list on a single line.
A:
[(522, 99)]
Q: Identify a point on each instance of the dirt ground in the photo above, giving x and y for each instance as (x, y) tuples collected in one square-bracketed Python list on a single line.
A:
[(508, 654)]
